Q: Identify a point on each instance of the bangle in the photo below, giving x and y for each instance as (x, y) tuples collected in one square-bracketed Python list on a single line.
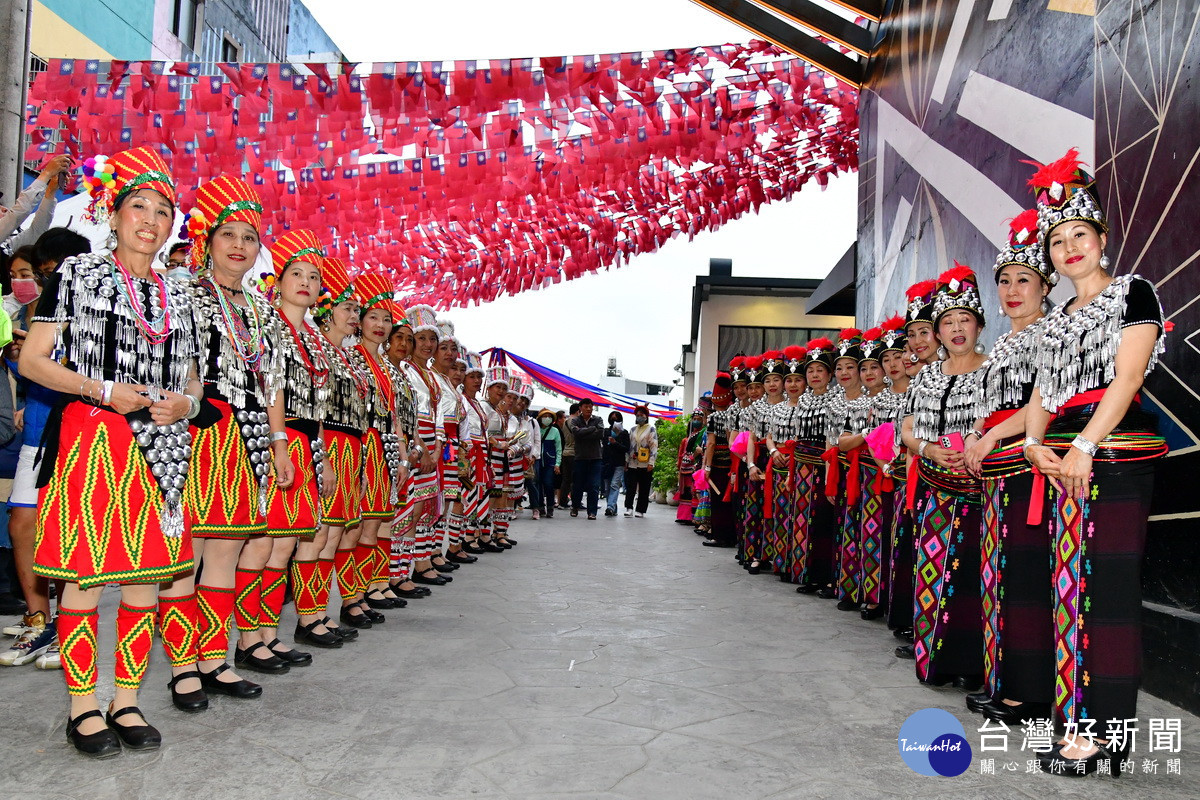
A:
[(1030, 441), (1080, 443), (278, 436), (976, 433), (921, 448), (106, 390), (193, 407)]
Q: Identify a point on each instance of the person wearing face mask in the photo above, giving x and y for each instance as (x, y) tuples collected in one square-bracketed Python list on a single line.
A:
[(691, 448), (25, 288), (616, 449), (551, 460), (639, 464), (177, 261)]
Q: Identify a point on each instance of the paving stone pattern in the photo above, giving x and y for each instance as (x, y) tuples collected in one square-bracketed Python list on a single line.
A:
[(613, 658)]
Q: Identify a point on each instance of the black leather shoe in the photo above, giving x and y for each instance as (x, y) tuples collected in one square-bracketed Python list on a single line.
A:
[(474, 548), (371, 614), (872, 613), (807, 588), (461, 558), (978, 701), (135, 737), (905, 651), (940, 680), (1054, 762), (969, 683), (510, 542), (256, 661), (295, 658), (188, 702), (502, 544), (999, 711), (436, 580), (376, 599), (359, 620), (241, 689), (903, 633), (714, 543), (398, 602), (308, 635), (847, 605), (445, 567), (826, 593), (754, 567), (344, 632), (415, 593), (102, 744), (491, 547)]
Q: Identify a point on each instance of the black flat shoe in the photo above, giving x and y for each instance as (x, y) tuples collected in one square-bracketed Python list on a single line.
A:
[(460, 558), (489, 547), (826, 593), (295, 658), (510, 542), (397, 602), (968, 683), (371, 614), (1054, 763), (308, 635), (102, 744), (376, 599), (999, 711), (807, 588), (354, 620), (502, 544), (437, 580), (135, 737), (754, 567), (872, 613), (446, 567), (905, 651), (978, 701), (253, 660), (415, 593), (344, 632), (714, 543), (188, 702), (476, 550), (903, 633), (242, 689), (847, 605)]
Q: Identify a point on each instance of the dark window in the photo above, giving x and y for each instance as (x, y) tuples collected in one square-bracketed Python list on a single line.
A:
[(734, 339), (184, 17), (230, 50)]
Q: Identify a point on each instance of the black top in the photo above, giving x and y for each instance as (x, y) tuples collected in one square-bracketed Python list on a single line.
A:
[(616, 446)]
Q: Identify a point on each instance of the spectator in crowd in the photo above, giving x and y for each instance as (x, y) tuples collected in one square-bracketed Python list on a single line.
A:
[(23, 286), (568, 459), (639, 463), (177, 261), (39, 193), (616, 448), (587, 431), (551, 460)]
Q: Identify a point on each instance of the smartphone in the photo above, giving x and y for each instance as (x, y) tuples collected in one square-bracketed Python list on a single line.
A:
[(952, 441)]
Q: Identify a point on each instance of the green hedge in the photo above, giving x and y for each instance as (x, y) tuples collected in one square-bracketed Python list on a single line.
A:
[(670, 434)]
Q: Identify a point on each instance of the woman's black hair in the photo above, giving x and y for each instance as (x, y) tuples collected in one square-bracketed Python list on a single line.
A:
[(620, 417), (58, 244)]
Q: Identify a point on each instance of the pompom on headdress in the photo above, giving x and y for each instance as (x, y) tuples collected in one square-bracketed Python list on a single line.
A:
[(773, 363), (109, 178), (737, 369), (754, 369), (1024, 248)]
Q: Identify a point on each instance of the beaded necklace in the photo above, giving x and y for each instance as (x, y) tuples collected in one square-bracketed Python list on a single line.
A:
[(361, 383), (385, 392), (320, 375), (154, 331), (247, 341)]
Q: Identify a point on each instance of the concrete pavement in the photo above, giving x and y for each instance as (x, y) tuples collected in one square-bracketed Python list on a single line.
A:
[(613, 658)]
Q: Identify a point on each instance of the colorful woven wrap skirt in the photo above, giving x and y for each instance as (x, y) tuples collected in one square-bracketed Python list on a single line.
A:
[(778, 504), (424, 485), (752, 519), (875, 508), (99, 516), (948, 625), (849, 546), (377, 478), (296, 511), (222, 490), (900, 572), (343, 455), (1015, 559), (807, 458), (721, 521), (1098, 548)]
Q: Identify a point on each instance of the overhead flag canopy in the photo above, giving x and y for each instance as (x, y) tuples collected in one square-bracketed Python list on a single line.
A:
[(467, 180)]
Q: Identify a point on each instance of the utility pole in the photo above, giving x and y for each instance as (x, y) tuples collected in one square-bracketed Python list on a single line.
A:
[(14, 46)]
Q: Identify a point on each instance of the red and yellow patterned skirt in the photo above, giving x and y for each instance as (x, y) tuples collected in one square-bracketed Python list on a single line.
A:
[(295, 511), (376, 501), (221, 494), (343, 455), (98, 517)]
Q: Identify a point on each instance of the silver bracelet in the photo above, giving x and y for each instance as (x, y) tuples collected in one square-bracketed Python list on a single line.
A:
[(1080, 443), (1030, 441), (921, 448), (193, 407), (279, 436), (106, 390)]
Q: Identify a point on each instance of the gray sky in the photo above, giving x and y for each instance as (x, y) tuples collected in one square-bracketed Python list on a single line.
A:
[(637, 313)]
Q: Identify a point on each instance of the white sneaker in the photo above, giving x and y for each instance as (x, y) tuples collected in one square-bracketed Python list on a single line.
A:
[(639, 515), (15, 629), (629, 513), (29, 646), (51, 659)]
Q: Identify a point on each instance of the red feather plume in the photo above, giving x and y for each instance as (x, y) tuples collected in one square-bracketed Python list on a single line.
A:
[(873, 335), (737, 361), (959, 272), (892, 324), (820, 344), (794, 352), (772, 355), (1062, 171), (1025, 221), (849, 333), (754, 362), (920, 290)]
